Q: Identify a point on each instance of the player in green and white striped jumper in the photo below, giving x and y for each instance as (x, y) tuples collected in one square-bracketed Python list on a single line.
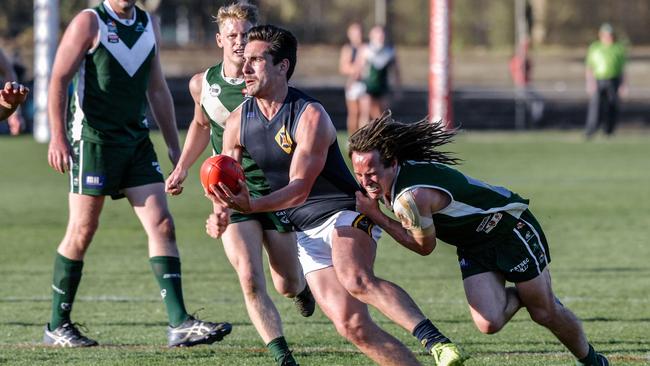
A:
[(497, 237), (216, 92), (111, 51)]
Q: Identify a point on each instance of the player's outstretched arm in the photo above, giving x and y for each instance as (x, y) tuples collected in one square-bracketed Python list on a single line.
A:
[(198, 137), (78, 38)]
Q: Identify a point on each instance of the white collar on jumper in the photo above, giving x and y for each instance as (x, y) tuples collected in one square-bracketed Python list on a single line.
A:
[(228, 79)]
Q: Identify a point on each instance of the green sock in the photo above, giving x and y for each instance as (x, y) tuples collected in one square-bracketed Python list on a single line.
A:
[(65, 281), (280, 351), (168, 273)]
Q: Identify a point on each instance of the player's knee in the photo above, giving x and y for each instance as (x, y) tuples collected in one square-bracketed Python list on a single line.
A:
[(489, 322), (166, 228), (486, 326), (358, 285), (250, 286), (286, 288), (81, 233), (353, 330), (542, 316)]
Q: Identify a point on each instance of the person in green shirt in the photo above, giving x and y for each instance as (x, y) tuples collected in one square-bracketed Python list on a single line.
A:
[(497, 237), (605, 64)]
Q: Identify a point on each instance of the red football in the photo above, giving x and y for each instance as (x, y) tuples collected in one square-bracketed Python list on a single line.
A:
[(224, 169)]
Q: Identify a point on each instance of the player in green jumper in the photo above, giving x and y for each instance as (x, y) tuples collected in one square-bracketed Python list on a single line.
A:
[(111, 51), (497, 237), (216, 92)]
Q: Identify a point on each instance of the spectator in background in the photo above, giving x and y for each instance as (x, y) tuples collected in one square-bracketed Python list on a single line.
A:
[(521, 70), (605, 64), (380, 65), (7, 74), (351, 67)]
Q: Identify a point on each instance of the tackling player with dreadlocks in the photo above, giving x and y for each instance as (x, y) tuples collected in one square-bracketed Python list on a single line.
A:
[(497, 237)]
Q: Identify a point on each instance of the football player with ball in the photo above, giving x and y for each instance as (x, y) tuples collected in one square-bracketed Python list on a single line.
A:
[(216, 92), (292, 138)]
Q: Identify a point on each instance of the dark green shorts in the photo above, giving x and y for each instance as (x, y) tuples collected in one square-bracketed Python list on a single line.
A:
[(100, 170), (269, 220), (519, 255)]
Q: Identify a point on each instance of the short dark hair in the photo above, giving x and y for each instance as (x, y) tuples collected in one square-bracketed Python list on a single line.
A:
[(283, 44)]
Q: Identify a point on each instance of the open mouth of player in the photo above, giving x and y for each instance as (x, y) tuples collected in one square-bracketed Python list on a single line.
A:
[(372, 189)]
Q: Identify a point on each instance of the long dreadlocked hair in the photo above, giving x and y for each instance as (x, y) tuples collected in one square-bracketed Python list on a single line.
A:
[(404, 141)]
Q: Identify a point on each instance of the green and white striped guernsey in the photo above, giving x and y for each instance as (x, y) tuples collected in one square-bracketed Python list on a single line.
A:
[(109, 96), (478, 211), (220, 95)]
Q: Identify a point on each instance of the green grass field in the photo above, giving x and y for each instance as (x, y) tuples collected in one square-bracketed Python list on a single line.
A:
[(593, 199)]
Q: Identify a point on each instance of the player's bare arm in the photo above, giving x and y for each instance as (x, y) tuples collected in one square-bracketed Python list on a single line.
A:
[(414, 208), (370, 208), (198, 137), (314, 135), (80, 36), (162, 104)]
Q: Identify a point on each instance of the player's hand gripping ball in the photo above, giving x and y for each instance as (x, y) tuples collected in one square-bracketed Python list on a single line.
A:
[(221, 169)]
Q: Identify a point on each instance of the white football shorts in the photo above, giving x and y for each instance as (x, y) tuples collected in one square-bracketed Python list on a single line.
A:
[(315, 245)]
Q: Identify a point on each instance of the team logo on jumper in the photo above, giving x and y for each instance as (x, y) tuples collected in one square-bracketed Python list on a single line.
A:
[(284, 140), (111, 29), (489, 223), (215, 90), (95, 181), (139, 27)]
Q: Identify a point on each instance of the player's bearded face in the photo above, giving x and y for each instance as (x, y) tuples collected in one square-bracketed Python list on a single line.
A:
[(371, 174)]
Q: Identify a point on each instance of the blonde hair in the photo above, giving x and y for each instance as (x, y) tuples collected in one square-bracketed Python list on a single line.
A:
[(241, 10)]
